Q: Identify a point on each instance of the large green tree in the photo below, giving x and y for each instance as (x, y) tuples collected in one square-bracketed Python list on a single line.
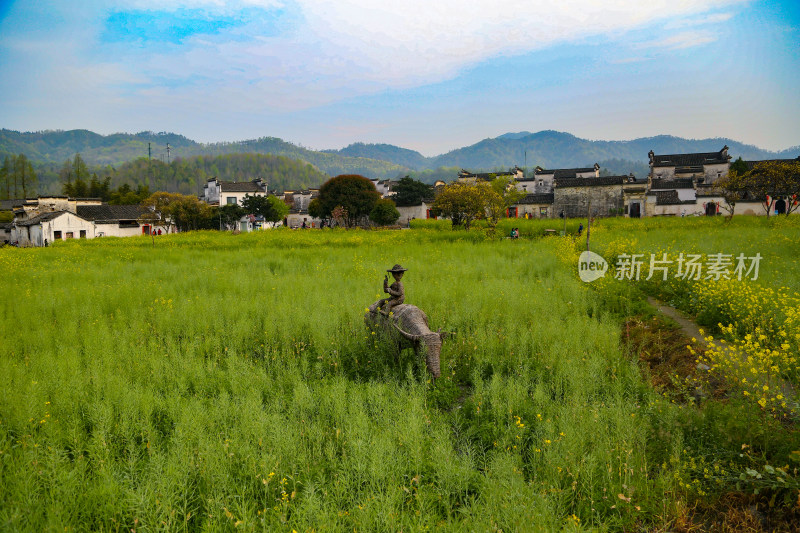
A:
[(732, 187), (17, 177), (230, 214), (6, 179), (269, 207), (184, 212), (356, 194), (409, 191), (773, 180), (384, 213), (500, 194), (461, 203)]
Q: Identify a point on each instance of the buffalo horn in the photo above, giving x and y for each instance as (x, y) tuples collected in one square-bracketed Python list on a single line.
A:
[(408, 336)]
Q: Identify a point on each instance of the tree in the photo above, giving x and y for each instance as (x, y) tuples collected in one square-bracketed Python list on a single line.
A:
[(461, 202), (185, 212), (79, 169), (6, 178), (739, 166), (384, 213), (771, 180), (189, 213), (409, 191), (124, 195), (732, 188), (66, 175), (356, 194), (498, 197), (494, 204), (269, 207), (230, 214), (315, 209), (158, 209), (100, 189), (24, 176)]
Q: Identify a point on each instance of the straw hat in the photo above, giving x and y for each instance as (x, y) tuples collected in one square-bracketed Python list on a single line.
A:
[(397, 268)]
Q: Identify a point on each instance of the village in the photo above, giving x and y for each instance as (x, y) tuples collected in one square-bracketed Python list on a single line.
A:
[(676, 185)]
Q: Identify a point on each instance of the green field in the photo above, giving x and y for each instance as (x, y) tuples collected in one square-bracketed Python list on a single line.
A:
[(227, 382)]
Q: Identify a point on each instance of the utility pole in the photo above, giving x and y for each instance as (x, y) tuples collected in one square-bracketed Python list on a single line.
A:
[(168, 150), (588, 222)]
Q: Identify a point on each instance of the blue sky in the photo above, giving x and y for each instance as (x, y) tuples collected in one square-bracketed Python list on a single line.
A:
[(431, 76)]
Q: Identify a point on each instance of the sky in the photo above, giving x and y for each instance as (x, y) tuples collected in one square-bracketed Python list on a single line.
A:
[(429, 76)]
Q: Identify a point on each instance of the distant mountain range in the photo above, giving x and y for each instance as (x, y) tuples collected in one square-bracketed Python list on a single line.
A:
[(553, 149), (548, 149)]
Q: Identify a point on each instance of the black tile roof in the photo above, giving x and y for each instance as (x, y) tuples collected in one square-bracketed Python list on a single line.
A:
[(240, 186), (751, 164), (44, 217), (564, 172), (671, 198), (690, 160), (541, 198), (679, 183), (109, 213), (485, 176), (591, 182)]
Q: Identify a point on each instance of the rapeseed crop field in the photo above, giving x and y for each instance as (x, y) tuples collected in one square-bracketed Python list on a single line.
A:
[(228, 382)]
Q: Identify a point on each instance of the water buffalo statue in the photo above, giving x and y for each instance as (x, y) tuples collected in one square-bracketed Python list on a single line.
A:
[(412, 325)]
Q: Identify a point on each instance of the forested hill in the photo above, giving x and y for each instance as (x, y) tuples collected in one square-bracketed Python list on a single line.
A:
[(126, 154), (553, 149), (54, 147), (188, 175), (386, 152)]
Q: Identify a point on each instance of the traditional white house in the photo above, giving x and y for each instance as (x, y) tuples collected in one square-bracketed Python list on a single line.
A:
[(533, 205), (298, 209), (31, 207), (700, 168), (221, 193), (116, 220), (543, 180), (414, 212), (5, 232), (384, 187), (466, 176), (46, 228)]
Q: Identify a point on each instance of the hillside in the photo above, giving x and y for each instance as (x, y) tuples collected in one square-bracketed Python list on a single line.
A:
[(55, 147), (108, 154), (189, 175), (552, 149)]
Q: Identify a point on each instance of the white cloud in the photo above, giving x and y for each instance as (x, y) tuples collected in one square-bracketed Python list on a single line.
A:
[(679, 41), (336, 49), (350, 47), (416, 40), (714, 18)]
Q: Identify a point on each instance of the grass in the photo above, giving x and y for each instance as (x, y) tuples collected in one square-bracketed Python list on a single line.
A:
[(220, 382)]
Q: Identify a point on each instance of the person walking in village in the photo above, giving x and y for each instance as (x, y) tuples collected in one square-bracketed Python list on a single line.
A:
[(395, 290)]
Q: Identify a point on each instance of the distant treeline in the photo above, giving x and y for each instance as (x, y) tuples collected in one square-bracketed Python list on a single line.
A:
[(183, 175), (18, 178), (47, 149)]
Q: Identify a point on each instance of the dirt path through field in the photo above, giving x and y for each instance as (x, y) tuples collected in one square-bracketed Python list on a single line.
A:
[(688, 327)]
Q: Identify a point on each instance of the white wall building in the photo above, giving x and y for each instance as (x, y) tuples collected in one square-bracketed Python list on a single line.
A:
[(46, 228), (232, 192)]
